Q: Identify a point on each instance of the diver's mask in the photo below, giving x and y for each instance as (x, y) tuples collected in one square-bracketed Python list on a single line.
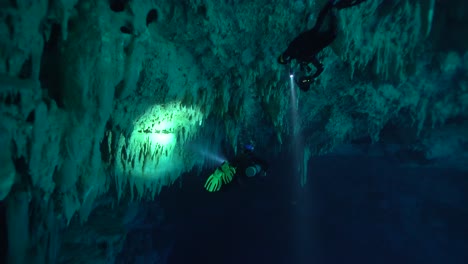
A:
[(304, 83)]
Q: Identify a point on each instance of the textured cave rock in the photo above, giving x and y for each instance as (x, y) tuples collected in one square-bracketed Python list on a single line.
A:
[(89, 89)]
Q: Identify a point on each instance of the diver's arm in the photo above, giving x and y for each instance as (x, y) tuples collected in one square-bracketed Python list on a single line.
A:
[(317, 65), (285, 57)]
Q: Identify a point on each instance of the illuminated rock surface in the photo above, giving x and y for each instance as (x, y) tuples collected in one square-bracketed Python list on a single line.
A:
[(103, 104)]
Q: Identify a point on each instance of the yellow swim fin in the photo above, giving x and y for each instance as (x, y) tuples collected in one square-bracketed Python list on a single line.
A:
[(222, 175)]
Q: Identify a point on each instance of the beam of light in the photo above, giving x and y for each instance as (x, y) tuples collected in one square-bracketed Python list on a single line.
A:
[(298, 204), (294, 104), (297, 138), (215, 157), (208, 154)]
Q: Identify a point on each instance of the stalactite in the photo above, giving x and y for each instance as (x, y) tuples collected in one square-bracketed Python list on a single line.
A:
[(430, 17)]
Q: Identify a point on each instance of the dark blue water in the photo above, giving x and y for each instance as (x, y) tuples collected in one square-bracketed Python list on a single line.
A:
[(353, 210)]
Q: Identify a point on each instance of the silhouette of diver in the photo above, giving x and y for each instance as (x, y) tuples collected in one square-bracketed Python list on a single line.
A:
[(245, 167), (305, 47)]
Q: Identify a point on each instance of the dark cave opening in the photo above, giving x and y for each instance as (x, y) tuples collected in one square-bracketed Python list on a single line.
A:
[(50, 63), (152, 16), (126, 29), (26, 69), (118, 5)]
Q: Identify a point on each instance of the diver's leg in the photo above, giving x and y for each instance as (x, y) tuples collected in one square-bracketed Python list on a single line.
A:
[(326, 37), (333, 24), (333, 4), (347, 3), (322, 15)]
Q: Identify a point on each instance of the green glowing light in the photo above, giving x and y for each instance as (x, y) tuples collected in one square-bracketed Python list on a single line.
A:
[(155, 149), (163, 139)]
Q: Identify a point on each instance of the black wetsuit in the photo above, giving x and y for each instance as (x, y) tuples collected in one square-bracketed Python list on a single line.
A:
[(244, 160), (305, 47)]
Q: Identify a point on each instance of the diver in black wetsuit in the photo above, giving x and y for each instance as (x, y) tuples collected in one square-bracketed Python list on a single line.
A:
[(244, 167), (248, 165), (305, 47)]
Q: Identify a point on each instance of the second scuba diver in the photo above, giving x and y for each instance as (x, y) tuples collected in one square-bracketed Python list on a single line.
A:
[(244, 167), (305, 47)]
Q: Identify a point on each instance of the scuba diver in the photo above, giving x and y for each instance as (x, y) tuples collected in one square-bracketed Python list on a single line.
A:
[(305, 47), (244, 167)]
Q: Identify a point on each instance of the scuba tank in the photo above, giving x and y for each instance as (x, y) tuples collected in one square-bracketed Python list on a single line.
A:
[(253, 170)]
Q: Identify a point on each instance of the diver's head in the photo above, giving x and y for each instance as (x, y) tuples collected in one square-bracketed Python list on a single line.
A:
[(248, 148), (304, 83)]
